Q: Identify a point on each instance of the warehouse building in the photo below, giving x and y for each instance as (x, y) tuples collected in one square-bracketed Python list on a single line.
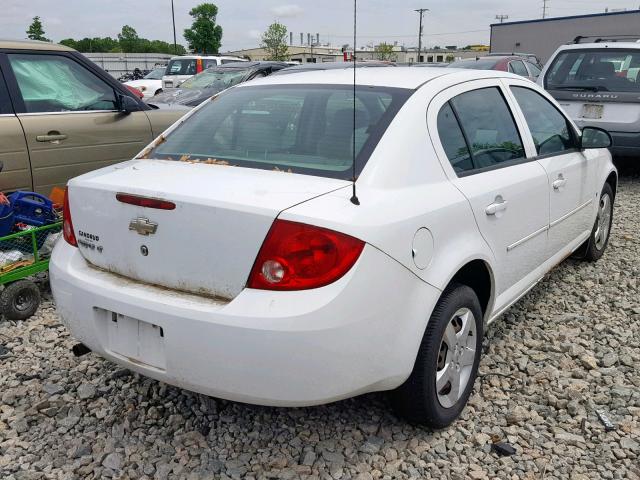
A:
[(542, 37)]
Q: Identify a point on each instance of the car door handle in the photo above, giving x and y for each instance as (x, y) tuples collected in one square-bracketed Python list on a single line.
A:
[(51, 137), (559, 183), (499, 205)]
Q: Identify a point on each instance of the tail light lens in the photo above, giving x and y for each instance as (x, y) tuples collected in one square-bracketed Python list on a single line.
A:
[(67, 224), (296, 256), (199, 65), (135, 91)]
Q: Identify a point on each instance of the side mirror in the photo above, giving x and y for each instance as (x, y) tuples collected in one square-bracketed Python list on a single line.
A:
[(594, 137), (127, 105)]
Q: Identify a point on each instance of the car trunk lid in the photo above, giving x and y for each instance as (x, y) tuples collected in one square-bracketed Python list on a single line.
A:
[(205, 245)]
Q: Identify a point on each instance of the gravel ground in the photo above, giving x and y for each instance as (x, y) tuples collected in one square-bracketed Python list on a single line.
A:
[(569, 347)]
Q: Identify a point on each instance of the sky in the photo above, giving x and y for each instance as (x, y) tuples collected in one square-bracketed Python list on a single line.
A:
[(449, 22)]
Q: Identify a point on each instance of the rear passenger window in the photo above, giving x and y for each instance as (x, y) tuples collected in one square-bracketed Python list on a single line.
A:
[(453, 141), (535, 71), (551, 131), (488, 126), (518, 68)]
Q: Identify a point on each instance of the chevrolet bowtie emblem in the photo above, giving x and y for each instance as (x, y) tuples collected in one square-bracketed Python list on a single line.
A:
[(143, 226)]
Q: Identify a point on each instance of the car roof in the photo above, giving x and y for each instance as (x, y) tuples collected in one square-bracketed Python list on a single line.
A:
[(400, 77), (252, 64), (601, 45), (219, 57), (316, 67), (33, 45)]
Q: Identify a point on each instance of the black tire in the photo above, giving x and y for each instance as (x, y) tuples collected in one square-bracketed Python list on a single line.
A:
[(418, 399), (595, 247), (19, 300)]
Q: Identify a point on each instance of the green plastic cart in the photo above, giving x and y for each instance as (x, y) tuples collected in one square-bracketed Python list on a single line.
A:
[(23, 255)]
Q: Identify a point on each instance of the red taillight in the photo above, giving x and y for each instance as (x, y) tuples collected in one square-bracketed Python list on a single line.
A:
[(199, 65), (135, 91), (145, 201), (67, 224), (296, 256)]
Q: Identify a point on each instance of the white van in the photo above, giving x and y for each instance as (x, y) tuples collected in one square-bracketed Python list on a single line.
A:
[(181, 68), (598, 84)]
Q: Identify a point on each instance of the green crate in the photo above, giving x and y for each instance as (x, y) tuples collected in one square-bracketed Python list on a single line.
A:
[(29, 243)]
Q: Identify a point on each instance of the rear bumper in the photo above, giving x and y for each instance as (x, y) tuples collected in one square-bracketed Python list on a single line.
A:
[(625, 144), (357, 335)]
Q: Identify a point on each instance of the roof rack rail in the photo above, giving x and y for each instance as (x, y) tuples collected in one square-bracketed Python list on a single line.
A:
[(608, 38)]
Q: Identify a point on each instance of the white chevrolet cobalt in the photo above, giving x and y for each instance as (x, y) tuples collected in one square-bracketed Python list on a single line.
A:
[(232, 257)]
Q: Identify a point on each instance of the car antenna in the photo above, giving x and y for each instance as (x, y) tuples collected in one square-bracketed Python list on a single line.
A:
[(354, 197)]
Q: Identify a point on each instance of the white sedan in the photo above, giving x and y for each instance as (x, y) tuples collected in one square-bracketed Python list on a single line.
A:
[(151, 84), (233, 258)]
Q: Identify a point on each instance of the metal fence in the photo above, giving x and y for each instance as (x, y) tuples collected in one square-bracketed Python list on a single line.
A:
[(118, 64)]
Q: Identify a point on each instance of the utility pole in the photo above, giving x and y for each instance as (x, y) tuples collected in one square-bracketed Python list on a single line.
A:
[(421, 13), (173, 18), (502, 18), (544, 8)]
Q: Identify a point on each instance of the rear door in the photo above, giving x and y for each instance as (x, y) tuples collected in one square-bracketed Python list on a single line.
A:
[(16, 172), (483, 154), (571, 175), (69, 116)]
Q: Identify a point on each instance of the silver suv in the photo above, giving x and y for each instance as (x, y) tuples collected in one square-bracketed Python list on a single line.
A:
[(598, 84)]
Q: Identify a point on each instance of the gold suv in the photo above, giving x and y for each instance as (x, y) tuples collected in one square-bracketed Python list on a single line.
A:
[(61, 115)]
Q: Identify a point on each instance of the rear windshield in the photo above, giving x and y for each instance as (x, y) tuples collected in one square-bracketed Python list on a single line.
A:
[(215, 79), (595, 70), (305, 129), (475, 64), (181, 66)]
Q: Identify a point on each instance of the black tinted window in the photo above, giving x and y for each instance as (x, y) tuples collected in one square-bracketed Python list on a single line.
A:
[(453, 141), (608, 70), (489, 127), (550, 130)]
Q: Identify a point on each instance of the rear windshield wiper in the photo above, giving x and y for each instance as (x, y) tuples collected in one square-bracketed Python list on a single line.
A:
[(578, 87)]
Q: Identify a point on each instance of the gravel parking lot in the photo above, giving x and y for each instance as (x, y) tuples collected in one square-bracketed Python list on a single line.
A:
[(570, 347)]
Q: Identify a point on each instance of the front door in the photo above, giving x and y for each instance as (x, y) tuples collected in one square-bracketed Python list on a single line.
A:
[(16, 172), (572, 194), (70, 119), (507, 192)]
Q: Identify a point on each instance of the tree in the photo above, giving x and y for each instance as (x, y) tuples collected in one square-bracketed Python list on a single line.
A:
[(274, 41), (384, 52), (204, 36), (129, 40), (36, 31)]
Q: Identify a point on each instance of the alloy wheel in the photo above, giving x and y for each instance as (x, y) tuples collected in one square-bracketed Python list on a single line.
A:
[(603, 222), (456, 357)]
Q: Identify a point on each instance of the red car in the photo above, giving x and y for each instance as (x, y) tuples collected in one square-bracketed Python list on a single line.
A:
[(508, 63)]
